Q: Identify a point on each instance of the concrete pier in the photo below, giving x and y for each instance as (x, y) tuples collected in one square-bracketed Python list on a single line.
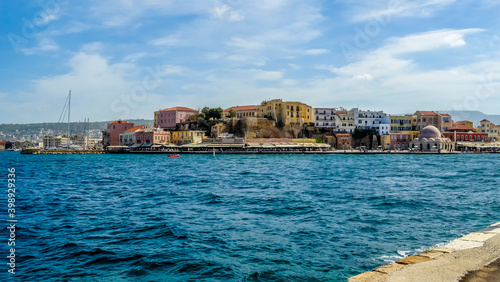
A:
[(474, 257)]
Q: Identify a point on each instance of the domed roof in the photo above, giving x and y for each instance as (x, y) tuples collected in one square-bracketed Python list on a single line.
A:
[(430, 131), (432, 140)]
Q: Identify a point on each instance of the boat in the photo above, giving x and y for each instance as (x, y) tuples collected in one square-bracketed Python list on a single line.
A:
[(173, 155)]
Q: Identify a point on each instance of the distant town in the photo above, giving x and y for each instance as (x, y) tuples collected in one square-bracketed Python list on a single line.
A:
[(276, 125)]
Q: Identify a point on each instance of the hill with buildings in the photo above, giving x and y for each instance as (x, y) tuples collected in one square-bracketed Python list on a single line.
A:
[(36, 131)]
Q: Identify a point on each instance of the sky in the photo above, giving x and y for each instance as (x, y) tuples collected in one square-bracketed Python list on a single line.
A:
[(125, 59)]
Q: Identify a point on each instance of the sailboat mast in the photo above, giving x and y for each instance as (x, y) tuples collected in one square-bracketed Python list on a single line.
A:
[(69, 113)]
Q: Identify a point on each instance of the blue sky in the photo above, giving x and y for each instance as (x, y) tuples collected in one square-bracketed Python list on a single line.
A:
[(128, 58)]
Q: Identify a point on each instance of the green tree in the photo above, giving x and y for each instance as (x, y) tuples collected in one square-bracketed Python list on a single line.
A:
[(232, 113), (215, 113), (205, 112)]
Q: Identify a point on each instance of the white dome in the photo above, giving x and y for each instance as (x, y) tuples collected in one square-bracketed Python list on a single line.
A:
[(432, 140), (423, 139)]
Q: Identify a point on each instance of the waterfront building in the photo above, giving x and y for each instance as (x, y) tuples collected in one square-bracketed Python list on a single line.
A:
[(324, 117), (128, 138), (466, 123), (377, 120), (400, 141), (431, 139), (465, 136), (344, 120), (286, 113), (491, 129), (52, 141), (385, 141), (344, 140), (168, 118), (422, 119), (2, 145), (187, 137), (401, 123), (152, 136), (111, 135), (242, 111), (444, 121)]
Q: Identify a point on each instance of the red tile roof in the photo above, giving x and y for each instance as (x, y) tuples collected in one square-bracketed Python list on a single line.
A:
[(461, 127), (462, 122), (120, 121), (133, 129), (242, 108), (427, 113), (446, 115), (180, 109), (485, 120)]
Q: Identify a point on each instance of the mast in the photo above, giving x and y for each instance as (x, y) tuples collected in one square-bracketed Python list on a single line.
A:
[(69, 113)]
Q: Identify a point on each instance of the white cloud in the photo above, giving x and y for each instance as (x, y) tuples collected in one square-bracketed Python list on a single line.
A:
[(225, 12), (169, 40), (317, 51), (365, 76), (266, 75), (43, 45), (244, 43), (399, 8)]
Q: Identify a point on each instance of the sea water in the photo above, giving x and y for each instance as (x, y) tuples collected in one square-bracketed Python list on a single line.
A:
[(237, 217)]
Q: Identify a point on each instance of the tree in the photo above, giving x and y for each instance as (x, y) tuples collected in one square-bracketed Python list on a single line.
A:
[(205, 111), (232, 113), (215, 113)]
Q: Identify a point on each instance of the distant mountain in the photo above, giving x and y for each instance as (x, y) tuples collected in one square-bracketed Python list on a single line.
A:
[(474, 116)]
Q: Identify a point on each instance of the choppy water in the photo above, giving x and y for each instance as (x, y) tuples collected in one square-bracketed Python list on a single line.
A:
[(238, 218)]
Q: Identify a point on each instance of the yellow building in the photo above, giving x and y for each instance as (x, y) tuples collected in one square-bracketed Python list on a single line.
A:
[(187, 137), (286, 112), (385, 141), (401, 123)]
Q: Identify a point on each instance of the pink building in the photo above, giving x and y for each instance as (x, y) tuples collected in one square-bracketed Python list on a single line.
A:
[(168, 118), (151, 136), (111, 136), (399, 141)]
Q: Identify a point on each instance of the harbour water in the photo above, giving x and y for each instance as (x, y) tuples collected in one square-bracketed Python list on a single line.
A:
[(238, 217)]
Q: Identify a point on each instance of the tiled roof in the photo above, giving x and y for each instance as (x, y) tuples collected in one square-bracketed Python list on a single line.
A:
[(485, 120), (446, 115), (133, 129), (120, 121), (180, 109), (462, 122), (242, 108), (427, 113), (461, 127)]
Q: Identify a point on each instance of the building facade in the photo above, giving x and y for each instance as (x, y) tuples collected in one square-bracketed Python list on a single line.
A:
[(401, 123), (345, 120), (325, 117), (487, 127), (152, 136), (242, 111), (111, 135), (286, 113), (168, 118), (187, 137), (444, 121), (400, 141), (376, 120), (344, 141)]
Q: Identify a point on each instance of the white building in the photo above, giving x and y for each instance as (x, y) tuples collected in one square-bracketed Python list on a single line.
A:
[(377, 120), (325, 117)]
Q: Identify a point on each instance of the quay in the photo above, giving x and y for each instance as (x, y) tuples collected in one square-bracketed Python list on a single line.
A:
[(474, 257)]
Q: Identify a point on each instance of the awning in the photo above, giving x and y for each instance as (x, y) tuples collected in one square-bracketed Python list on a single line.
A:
[(146, 145), (136, 145)]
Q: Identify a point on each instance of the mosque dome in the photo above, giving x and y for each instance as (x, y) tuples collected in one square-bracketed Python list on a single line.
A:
[(423, 139), (432, 140), (430, 131)]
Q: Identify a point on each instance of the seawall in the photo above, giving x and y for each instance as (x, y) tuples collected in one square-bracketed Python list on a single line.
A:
[(464, 259)]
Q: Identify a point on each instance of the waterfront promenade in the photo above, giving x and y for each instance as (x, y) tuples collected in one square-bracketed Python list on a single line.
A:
[(474, 257)]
